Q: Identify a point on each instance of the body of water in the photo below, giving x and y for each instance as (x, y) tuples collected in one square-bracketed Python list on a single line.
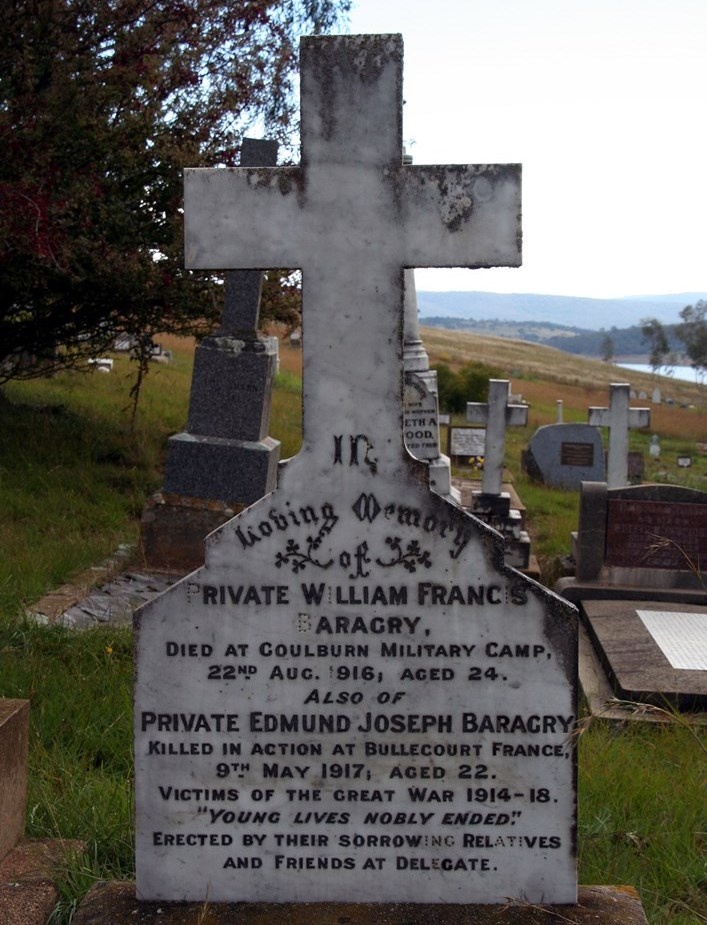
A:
[(684, 373)]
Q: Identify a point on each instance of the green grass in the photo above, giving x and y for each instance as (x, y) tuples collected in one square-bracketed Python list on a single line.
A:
[(73, 479), (642, 817)]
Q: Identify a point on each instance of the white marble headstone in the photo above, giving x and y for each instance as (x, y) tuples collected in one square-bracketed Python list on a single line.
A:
[(355, 699)]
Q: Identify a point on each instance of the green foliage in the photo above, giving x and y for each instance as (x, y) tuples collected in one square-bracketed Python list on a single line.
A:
[(607, 348), (654, 332), (101, 106), (470, 383), (693, 333)]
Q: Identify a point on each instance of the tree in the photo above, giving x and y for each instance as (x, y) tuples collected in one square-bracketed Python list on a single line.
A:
[(693, 334), (607, 348), (470, 383), (101, 106), (654, 332)]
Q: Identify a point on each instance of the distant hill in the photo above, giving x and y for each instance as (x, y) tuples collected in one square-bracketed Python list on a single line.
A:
[(566, 311), (582, 341)]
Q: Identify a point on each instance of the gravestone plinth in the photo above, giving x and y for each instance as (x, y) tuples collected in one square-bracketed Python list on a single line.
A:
[(115, 904), (355, 699), (224, 460)]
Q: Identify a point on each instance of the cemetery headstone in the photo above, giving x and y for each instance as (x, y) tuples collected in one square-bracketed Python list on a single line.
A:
[(466, 443), (560, 409), (642, 535), (355, 698), (492, 504), (565, 455), (638, 554), (654, 448), (656, 396), (420, 397), (225, 459), (619, 418)]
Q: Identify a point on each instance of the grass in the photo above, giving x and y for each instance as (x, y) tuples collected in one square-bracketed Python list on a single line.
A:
[(73, 480)]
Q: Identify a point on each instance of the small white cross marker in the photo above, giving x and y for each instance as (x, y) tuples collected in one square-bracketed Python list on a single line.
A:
[(497, 414), (619, 418)]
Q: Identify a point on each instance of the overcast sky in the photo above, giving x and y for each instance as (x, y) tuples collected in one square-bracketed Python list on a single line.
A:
[(604, 102)]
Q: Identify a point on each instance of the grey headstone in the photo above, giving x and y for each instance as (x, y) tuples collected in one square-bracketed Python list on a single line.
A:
[(565, 455), (497, 414), (339, 670)]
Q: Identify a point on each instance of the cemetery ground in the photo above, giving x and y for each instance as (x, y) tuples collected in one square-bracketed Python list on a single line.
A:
[(73, 481)]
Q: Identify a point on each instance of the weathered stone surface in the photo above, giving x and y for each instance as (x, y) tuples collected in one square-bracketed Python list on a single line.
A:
[(115, 904), (619, 418), (636, 665), (217, 469), (28, 894), (14, 731), (27, 903), (174, 528)]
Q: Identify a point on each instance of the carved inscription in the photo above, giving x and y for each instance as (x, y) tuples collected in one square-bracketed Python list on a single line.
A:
[(466, 442), (577, 454), (357, 707), (656, 534)]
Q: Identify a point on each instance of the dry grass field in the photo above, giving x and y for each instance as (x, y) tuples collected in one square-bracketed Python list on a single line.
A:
[(544, 374)]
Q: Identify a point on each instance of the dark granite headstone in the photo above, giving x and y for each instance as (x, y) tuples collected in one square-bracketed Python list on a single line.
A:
[(565, 455), (650, 536), (225, 460), (225, 454)]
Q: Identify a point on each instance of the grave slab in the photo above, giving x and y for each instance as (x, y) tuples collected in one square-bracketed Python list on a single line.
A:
[(115, 904), (639, 644), (355, 659), (14, 731)]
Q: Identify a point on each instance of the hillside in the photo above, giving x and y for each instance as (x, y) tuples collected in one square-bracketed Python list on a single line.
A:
[(520, 359), (524, 308)]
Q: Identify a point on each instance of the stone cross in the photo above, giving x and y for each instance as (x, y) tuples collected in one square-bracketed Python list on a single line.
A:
[(352, 191), (316, 604), (243, 287), (619, 418), (497, 414)]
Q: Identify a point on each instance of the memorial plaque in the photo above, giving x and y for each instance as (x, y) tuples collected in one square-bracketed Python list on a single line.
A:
[(355, 699), (656, 534), (577, 454), (465, 442), (420, 417)]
